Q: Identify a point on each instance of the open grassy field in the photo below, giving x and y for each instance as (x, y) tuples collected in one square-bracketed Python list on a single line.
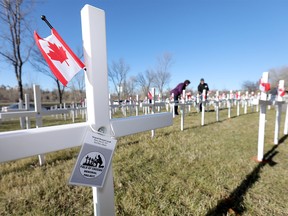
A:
[(203, 170)]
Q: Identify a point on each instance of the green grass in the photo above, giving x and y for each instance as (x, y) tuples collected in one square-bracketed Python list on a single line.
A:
[(203, 170)]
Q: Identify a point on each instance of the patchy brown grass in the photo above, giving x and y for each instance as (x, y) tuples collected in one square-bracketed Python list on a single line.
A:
[(203, 170)]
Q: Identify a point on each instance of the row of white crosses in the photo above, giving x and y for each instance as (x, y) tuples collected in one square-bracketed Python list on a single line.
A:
[(25, 114), (38, 113), (183, 103), (218, 101), (279, 102), (264, 102), (134, 105), (25, 143), (147, 107)]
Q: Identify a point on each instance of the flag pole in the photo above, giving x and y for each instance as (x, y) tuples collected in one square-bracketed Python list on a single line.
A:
[(46, 21)]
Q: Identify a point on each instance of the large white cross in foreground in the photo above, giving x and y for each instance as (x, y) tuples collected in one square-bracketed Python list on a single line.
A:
[(24, 143)]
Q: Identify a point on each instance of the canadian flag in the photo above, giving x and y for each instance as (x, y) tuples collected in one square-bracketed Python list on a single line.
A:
[(237, 95), (150, 96), (62, 61), (281, 92), (264, 87)]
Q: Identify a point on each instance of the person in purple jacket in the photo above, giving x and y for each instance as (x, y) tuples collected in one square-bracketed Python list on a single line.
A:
[(177, 91)]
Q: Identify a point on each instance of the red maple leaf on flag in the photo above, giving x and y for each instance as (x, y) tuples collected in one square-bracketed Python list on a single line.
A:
[(57, 53)]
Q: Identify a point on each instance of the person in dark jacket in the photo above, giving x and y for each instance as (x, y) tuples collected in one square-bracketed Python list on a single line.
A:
[(177, 91), (202, 85)]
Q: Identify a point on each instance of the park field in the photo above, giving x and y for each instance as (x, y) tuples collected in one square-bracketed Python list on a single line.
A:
[(202, 170)]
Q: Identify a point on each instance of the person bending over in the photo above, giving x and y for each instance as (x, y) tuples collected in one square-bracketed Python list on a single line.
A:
[(177, 91)]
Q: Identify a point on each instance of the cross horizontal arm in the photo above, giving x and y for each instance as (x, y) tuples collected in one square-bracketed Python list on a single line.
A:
[(25, 143), (17, 114), (131, 125)]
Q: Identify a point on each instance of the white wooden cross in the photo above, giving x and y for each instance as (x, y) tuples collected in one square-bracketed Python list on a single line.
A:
[(238, 103), (230, 102), (262, 119), (24, 143), (216, 103), (182, 109), (203, 107), (286, 121), (279, 102)]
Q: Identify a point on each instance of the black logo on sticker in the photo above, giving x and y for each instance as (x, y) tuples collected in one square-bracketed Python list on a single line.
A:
[(92, 165)]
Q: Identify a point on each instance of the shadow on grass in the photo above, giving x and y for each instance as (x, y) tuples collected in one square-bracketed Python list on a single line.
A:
[(282, 140), (129, 143), (243, 114), (214, 122), (234, 203), (219, 121)]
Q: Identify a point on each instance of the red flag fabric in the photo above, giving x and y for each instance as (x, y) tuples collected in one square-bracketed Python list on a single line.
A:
[(281, 92), (237, 95), (264, 87), (62, 61), (150, 95)]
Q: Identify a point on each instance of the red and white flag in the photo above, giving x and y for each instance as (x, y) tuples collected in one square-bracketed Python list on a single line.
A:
[(264, 87), (281, 92), (62, 61), (150, 96)]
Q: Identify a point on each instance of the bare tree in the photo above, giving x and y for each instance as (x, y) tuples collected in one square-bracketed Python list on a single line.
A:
[(78, 86), (130, 87), (15, 45), (250, 86), (163, 75), (276, 74), (117, 73), (145, 80)]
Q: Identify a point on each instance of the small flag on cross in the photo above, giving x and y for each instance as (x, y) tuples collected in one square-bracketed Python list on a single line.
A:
[(62, 61), (264, 86)]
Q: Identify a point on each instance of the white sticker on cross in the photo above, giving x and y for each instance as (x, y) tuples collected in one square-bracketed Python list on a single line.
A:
[(24, 143)]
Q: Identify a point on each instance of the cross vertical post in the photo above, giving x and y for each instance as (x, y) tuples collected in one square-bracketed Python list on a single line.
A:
[(182, 105), (278, 103), (153, 108), (229, 103), (246, 102), (95, 54), (39, 121), (216, 102), (238, 103), (203, 107), (27, 107), (262, 118), (286, 121)]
